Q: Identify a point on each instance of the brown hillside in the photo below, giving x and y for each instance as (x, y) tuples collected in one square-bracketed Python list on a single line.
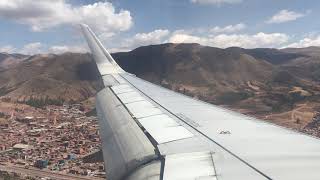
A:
[(68, 76)]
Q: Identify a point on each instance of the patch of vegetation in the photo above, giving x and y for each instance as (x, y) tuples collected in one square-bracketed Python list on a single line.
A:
[(284, 77), (6, 99), (92, 112), (296, 96), (232, 97), (3, 91), (12, 176), (283, 101), (42, 102)]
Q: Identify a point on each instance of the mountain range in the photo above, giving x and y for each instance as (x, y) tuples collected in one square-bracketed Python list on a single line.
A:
[(267, 83)]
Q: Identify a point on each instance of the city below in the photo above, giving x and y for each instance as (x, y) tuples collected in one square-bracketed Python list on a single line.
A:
[(54, 139)]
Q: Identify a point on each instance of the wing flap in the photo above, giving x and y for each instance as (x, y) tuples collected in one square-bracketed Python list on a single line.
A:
[(190, 166), (125, 146)]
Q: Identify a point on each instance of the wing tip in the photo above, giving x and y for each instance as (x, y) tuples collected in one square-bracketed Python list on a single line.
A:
[(100, 54), (83, 24)]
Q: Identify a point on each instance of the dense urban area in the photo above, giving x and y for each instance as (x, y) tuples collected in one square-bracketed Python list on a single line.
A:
[(62, 139)]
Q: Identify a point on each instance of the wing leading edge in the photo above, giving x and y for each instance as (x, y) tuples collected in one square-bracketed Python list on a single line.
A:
[(149, 132)]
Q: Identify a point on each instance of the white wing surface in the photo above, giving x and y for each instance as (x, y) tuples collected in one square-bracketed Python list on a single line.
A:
[(151, 133)]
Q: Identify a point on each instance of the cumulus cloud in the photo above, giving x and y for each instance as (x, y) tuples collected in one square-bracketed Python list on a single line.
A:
[(285, 16), (119, 49), (28, 49), (31, 48), (186, 38), (206, 37), (305, 42), (228, 29), (7, 49), (228, 40), (142, 39), (44, 14), (62, 49), (216, 2), (38, 48), (157, 36)]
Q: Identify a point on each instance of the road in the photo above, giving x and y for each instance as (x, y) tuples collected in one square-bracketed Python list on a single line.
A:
[(43, 173)]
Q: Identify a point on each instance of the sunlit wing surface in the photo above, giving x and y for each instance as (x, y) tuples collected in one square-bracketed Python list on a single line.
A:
[(151, 133)]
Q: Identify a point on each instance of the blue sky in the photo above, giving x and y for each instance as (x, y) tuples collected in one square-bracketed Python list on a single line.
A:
[(30, 27)]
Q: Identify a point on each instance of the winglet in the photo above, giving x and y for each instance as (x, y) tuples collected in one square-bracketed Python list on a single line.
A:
[(106, 64)]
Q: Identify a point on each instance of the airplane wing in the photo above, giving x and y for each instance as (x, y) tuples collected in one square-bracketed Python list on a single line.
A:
[(151, 133)]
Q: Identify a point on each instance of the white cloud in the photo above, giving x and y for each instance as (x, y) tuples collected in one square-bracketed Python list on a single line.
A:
[(32, 48), (305, 42), (143, 39), (103, 17), (228, 29), (216, 2), (186, 38), (162, 36), (157, 36), (44, 14), (7, 49), (241, 40), (38, 48), (271, 40), (114, 50), (62, 49), (285, 16)]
